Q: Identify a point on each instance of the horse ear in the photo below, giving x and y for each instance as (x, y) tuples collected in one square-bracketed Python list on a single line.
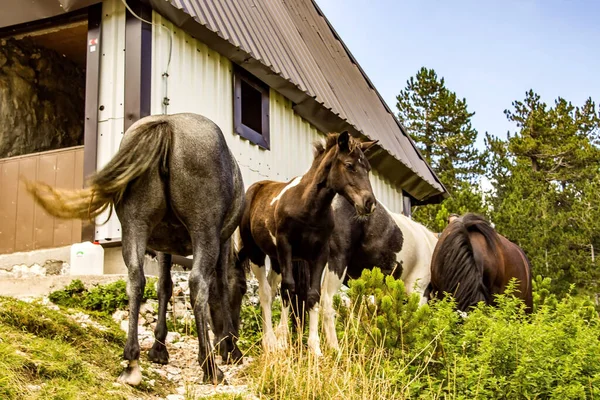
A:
[(364, 146), (343, 141)]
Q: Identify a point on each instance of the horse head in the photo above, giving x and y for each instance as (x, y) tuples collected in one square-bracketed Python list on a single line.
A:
[(348, 172)]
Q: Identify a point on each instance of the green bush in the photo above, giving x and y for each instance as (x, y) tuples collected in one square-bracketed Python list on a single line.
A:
[(105, 299), (493, 352)]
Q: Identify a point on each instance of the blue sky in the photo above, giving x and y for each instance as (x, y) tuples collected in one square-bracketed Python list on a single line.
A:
[(489, 52)]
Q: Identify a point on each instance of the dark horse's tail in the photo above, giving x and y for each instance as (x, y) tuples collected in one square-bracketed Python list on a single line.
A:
[(301, 271), (456, 267), (146, 147)]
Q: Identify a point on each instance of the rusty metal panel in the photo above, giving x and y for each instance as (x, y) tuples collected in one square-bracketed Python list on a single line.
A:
[(295, 41), (77, 228), (25, 206), (43, 231), (25, 226), (65, 178), (9, 181)]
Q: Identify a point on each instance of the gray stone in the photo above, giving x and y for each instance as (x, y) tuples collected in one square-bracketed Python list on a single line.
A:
[(53, 267)]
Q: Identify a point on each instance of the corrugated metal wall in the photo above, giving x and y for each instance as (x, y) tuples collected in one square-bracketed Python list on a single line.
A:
[(25, 226), (111, 99), (200, 81)]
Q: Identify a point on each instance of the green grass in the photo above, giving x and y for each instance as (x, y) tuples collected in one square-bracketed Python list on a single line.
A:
[(47, 348)]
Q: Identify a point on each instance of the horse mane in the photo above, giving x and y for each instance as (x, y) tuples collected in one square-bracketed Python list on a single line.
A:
[(459, 272), (477, 223), (323, 146)]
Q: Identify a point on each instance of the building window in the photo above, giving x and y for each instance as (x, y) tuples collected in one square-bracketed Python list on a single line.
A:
[(406, 210), (251, 108)]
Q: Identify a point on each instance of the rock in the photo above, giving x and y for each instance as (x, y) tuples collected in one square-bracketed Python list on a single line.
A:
[(146, 308), (175, 397), (37, 270), (34, 388), (173, 337), (44, 94), (120, 315), (172, 370), (181, 390), (53, 267), (125, 325), (146, 343)]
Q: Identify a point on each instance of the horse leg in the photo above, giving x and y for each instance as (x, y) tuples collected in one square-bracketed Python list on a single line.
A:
[(225, 335), (282, 331), (284, 259), (312, 302), (134, 248), (158, 353), (332, 281), (205, 244), (264, 294), (237, 290)]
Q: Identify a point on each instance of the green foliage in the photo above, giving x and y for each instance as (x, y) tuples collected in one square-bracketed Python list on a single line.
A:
[(493, 353), (439, 121), (48, 349), (545, 176), (547, 188), (105, 299), (440, 124), (250, 330)]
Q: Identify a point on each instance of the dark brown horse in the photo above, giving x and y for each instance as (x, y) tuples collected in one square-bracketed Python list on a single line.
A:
[(473, 262), (294, 220)]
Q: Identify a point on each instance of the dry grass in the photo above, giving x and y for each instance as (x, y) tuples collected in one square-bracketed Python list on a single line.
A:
[(357, 371)]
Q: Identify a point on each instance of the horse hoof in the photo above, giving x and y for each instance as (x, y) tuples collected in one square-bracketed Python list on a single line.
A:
[(270, 343), (158, 354), (288, 291), (131, 375), (216, 378), (315, 347), (235, 357)]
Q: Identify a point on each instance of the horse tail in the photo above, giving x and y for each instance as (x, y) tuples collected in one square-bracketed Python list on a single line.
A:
[(301, 272), (147, 147), (460, 272), (242, 238)]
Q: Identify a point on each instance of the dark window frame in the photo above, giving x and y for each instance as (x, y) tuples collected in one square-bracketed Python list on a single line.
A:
[(261, 139), (406, 204)]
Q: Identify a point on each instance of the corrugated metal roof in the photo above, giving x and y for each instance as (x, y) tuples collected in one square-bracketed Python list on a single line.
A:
[(295, 41)]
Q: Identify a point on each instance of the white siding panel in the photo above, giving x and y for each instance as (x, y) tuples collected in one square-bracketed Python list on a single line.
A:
[(111, 100), (386, 193), (201, 81)]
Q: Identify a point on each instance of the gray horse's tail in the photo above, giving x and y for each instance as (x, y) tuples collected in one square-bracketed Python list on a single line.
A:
[(460, 273), (147, 147), (301, 272)]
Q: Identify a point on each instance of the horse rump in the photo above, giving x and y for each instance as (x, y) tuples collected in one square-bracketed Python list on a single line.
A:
[(454, 267)]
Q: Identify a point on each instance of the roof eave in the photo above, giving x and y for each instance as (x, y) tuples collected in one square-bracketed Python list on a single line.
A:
[(307, 107)]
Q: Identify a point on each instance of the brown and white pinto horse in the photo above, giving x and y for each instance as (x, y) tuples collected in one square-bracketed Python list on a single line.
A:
[(294, 221), (473, 262)]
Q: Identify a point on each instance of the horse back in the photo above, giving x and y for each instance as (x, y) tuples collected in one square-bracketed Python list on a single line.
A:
[(516, 264)]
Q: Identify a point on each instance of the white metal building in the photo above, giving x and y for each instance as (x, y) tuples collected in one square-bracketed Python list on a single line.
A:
[(273, 74)]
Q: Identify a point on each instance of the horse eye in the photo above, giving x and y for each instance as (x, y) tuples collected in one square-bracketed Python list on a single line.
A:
[(349, 166)]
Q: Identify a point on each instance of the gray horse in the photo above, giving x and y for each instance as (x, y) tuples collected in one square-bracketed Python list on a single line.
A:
[(177, 189)]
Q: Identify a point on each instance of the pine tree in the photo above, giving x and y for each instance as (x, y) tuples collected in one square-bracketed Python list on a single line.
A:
[(440, 124), (547, 188)]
